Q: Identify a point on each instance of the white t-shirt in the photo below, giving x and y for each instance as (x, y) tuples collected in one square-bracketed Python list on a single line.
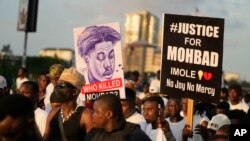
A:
[(136, 118), (19, 81), (177, 128), (41, 118), (49, 90), (154, 134), (239, 106)]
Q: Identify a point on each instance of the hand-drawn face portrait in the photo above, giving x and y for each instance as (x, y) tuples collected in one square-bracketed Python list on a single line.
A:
[(96, 47)]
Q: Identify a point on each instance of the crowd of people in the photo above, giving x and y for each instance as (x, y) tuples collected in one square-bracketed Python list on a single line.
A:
[(52, 109)]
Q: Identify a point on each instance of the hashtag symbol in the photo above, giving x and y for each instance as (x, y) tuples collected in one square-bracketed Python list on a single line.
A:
[(173, 27)]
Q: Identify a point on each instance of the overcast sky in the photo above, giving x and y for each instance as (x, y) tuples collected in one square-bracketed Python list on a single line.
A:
[(57, 18)]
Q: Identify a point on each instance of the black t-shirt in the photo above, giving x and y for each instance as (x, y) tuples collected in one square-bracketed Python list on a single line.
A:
[(72, 128), (126, 132)]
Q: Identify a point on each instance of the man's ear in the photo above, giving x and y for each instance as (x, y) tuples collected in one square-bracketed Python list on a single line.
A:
[(109, 114)]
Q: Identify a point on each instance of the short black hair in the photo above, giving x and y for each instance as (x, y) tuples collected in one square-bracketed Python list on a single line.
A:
[(25, 70), (136, 73), (156, 99), (239, 115), (223, 105), (130, 94), (16, 106), (34, 87), (236, 87), (224, 90), (113, 103), (247, 97)]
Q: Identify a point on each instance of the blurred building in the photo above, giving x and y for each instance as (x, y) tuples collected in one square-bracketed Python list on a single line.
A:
[(141, 51), (141, 26), (60, 53), (229, 76)]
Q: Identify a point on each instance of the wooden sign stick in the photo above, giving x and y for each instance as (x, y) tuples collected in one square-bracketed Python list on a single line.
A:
[(190, 108)]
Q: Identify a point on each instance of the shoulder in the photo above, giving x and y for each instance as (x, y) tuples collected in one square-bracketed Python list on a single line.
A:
[(86, 112), (136, 118), (86, 119), (135, 132), (52, 113), (98, 135), (50, 86)]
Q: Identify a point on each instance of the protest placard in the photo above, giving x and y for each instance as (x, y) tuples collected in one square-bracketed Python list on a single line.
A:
[(192, 57), (99, 59)]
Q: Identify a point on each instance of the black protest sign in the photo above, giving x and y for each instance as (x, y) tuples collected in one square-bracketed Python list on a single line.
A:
[(192, 57)]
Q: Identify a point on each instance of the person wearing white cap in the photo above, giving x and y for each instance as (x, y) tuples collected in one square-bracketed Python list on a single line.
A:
[(217, 121), (3, 84), (214, 124)]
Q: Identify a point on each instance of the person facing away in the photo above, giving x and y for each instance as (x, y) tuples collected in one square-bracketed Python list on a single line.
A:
[(17, 121), (21, 77), (109, 122), (70, 121), (96, 46), (30, 89)]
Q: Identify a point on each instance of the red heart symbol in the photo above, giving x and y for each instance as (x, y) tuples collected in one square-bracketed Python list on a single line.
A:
[(207, 75)]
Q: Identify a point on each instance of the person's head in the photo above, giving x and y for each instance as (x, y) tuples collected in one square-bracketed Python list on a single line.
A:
[(107, 110), (218, 121), (43, 80), (224, 94), (234, 92), (174, 107), (96, 45), (128, 104), (222, 108), (237, 117), (146, 88), (29, 89), (69, 85), (247, 97), (3, 85), (135, 76), (16, 118), (54, 73), (22, 72), (152, 106)]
